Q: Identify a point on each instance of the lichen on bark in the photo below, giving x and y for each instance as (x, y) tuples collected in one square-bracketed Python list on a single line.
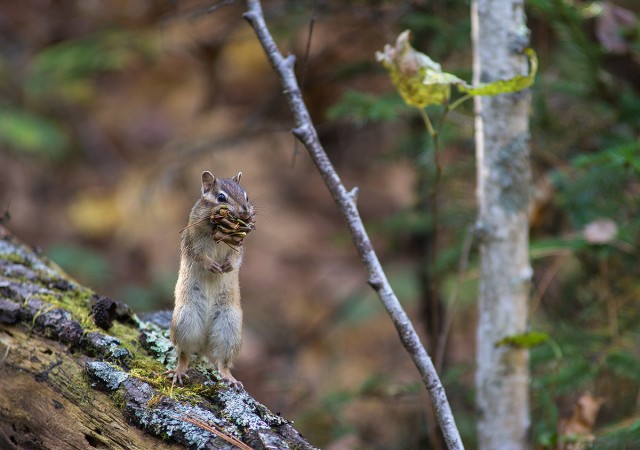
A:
[(513, 174)]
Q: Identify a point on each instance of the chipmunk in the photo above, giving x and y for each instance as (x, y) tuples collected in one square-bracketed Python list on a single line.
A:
[(207, 317)]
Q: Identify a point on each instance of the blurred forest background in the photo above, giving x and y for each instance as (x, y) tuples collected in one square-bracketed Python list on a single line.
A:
[(109, 112)]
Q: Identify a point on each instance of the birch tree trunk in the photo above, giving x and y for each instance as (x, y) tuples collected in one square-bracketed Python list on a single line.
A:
[(502, 135)]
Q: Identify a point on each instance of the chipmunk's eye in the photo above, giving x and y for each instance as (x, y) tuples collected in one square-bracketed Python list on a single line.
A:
[(222, 197)]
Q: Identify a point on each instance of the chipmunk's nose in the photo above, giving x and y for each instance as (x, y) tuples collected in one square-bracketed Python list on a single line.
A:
[(244, 213)]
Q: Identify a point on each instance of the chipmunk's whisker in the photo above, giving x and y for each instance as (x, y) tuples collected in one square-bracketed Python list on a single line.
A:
[(194, 224)]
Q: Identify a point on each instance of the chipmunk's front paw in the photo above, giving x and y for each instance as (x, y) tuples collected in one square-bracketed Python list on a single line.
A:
[(227, 266), (214, 267)]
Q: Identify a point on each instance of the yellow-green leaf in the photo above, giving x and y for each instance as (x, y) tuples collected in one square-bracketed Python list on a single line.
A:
[(524, 340), (419, 80), (517, 83)]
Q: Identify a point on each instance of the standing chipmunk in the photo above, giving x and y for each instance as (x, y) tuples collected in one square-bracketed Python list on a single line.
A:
[(207, 317)]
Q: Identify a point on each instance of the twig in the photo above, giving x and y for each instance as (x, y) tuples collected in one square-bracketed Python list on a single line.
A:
[(546, 280), (303, 72), (215, 429), (220, 5), (306, 133), (463, 262)]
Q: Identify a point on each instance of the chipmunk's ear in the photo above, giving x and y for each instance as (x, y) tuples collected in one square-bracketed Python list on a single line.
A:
[(208, 180), (237, 177)]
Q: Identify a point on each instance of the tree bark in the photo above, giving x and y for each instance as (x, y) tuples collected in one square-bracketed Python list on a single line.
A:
[(81, 371), (502, 147)]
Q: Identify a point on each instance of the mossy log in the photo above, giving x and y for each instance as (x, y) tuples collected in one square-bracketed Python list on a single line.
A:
[(82, 371)]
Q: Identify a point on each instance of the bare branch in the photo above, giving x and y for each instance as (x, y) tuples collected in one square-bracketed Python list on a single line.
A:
[(345, 200)]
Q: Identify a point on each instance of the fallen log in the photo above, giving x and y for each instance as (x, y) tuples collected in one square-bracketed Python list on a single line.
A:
[(83, 371)]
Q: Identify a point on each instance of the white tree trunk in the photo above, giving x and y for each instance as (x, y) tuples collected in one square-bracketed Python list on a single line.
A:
[(502, 148)]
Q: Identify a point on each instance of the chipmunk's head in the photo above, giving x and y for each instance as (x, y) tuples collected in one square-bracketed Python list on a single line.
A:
[(228, 192)]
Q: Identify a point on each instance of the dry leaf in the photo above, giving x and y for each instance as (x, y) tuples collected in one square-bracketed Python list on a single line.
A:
[(229, 228), (575, 432), (600, 231)]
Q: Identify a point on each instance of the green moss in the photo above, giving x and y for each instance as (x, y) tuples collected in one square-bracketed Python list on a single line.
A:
[(193, 393), (207, 389), (146, 364), (15, 258), (119, 399), (129, 336), (155, 399), (152, 377), (143, 365), (76, 299), (77, 303), (186, 394), (164, 436)]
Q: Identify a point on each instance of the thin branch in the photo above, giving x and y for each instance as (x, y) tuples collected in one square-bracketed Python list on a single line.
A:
[(453, 298), (307, 50), (306, 132), (427, 123), (458, 102), (432, 253)]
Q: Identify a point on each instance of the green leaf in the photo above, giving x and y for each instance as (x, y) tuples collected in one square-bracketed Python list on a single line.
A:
[(515, 84), (524, 340), (625, 156), (624, 364), (66, 69), (362, 108), (28, 133)]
